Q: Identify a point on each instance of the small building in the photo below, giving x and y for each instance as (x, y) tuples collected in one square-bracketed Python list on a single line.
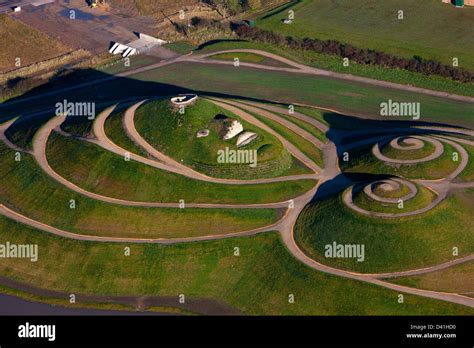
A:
[(16, 9)]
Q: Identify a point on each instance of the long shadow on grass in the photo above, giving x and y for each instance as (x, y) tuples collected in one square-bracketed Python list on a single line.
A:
[(39, 104), (345, 130)]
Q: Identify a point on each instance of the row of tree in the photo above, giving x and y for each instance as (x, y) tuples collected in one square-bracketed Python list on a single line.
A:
[(359, 55)]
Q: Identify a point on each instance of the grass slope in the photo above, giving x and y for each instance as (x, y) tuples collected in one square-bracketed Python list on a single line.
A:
[(26, 189), (294, 88), (457, 279), (363, 161), (175, 135), (305, 146), (390, 244), (423, 197), (257, 282), (98, 170)]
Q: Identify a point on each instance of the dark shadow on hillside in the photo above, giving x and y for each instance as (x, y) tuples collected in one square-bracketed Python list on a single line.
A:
[(350, 133), (213, 42)]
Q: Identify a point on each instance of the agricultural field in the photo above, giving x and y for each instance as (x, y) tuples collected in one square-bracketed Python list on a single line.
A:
[(429, 28), (390, 245), (334, 63)]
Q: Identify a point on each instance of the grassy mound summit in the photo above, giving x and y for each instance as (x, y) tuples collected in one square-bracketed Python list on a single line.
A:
[(176, 135)]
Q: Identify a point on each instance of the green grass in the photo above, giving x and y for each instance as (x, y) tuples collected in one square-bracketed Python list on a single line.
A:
[(174, 134), (351, 98), (402, 191), (427, 30), (456, 279), (257, 282), (423, 152), (306, 126), (390, 244), (26, 189), (100, 171), (115, 131), (242, 56), (363, 161), (308, 148), (334, 63), (421, 200), (345, 96), (132, 62), (181, 47), (468, 172), (248, 57)]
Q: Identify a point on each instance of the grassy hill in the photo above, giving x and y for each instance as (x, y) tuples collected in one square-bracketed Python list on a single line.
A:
[(390, 244), (257, 282), (25, 188), (24, 42), (98, 170), (175, 135), (429, 29)]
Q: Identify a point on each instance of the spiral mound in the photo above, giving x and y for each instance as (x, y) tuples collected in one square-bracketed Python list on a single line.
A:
[(391, 190), (408, 143)]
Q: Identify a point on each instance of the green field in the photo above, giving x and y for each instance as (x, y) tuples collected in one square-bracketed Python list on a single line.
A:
[(390, 244), (103, 172), (334, 63), (181, 47), (258, 281), (348, 97), (174, 134), (430, 29), (28, 190)]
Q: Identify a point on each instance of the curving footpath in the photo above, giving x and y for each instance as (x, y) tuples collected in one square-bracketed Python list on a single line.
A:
[(285, 225)]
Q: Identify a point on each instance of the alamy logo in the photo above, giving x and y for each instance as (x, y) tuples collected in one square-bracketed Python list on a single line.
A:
[(84, 109), (345, 251), (237, 157), (19, 251), (37, 331), (405, 109)]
